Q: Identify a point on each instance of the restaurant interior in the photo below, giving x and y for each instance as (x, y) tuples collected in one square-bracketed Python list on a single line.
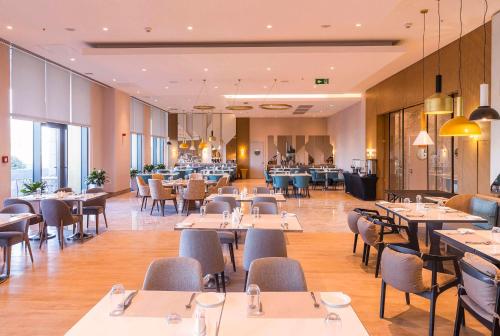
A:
[(250, 168)]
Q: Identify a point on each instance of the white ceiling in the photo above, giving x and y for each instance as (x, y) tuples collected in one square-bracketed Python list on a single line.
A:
[(39, 26)]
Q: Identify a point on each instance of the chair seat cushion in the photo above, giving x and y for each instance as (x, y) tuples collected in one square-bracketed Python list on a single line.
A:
[(9, 238), (395, 239), (226, 237), (442, 278)]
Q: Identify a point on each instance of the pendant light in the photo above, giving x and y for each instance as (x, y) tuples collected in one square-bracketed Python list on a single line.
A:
[(460, 125), (212, 137), (423, 138), (192, 147), (484, 112), (184, 145), (439, 103)]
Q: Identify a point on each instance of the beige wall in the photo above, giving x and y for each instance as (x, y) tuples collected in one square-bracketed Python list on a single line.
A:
[(4, 121)]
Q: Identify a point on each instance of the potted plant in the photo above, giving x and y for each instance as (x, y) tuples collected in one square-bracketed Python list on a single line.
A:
[(159, 166), (32, 187), (96, 178), (133, 181), (148, 168)]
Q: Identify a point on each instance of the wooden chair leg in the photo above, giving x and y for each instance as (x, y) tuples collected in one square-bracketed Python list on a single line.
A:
[(97, 224), (382, 299), (231, 254), (380, 249), (236, 238), (432, 316), (105, 218), (42, 234), (162, 205), (407, 298), (223, 279), (367, 254), (175, 205), (355, 243), (60, 237), (28, 246), (152, 207), (80, 222), (458, 319)]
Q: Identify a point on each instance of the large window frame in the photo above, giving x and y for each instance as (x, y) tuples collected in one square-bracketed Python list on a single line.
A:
[(157, 150), (136, 151)]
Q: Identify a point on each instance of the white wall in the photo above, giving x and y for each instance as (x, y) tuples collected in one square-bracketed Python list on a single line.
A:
[(495, 97), (347, 134)]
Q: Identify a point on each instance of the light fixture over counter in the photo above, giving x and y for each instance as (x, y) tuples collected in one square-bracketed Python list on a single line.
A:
[(459, 125)]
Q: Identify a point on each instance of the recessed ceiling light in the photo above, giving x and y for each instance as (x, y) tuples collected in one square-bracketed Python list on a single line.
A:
[(331, 105), (9, 27), (105, 28), (294, 96), (216, 87), (138, 91), (315, 86), (358, 24), (156, 100), (265, 87), (206, 69), (269, 26), (166, 87), (268, 69), (144, 69), (72, 59), (114, 79), (190, 28), (332, 68)]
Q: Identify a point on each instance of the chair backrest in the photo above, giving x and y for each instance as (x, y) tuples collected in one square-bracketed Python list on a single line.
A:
[(140, 181), (143, 187), (266, 208), (277, 275), (268, 177), (281, 181), (229, 189), (301, 181), (403, 271), (460, 202), (12, 201), (56, 212), (218, 207), (196, 176), (368, 231), (204, 246), (485, 209), (262, 190), (352, 220), (227, 199), (65, 189), (157, 176), (479, 281), (267, 199), (158, 192), (174, 274), (15, 209), (195, 190), (99, 201), (263, 243)]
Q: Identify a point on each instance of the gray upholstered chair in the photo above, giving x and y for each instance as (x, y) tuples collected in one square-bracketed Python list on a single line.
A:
[(352, 222), (258, 199), (222, 182), (266, 208), (262, 243), (479, 293), (403, 269), (226, 238), (229, 189), (174, 274), (13, 234), (58, 214), (143, 190), (277, 275), (261, 190), (95, 207), (32, 221), (71, 204), (228, 199), (377, 231), (160, 195), (478, 205), (204, 246), (195, 191)]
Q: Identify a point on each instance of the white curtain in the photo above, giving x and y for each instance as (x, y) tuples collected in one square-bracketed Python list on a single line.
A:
[(57, 94), (136, 116), (81, 100), (158, 122)]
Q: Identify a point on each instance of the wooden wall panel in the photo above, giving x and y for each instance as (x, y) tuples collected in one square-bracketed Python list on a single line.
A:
[(404, 89)]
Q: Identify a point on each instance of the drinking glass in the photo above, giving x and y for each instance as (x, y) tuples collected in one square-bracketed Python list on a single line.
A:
[(253, 299), (419, 198), (284, 219), (116, 298), (203, 210), (235, 192), (255, 212), (406, 200), (271, 192), (173, 318), (255, 191), (225, 217), (219, 191), (333, 324)]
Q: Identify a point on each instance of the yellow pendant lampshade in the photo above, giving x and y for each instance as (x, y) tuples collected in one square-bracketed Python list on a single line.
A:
[(183, 145), (438, 103), (202, 144), (459, 125)]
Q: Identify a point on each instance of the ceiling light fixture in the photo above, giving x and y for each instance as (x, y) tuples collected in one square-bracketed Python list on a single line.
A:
[(484, 112), (276, 107), (72, 59), (295, 96), (114, 79), (235, 107), (423, 138), (9, 27), (190, 28), (358, 24), (268, 69), (105, 28), (439, 103), (269, 26), (166, 87), (216, 87), (206, 69), (144, 69), (332, 68)]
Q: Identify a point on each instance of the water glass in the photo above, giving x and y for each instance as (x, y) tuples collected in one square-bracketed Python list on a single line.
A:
[(406, 200), (419, 198), (333, 324), (225, 217), (255, 191), (255, 212), (116, 298), (235, 192), (219, 191), (284, 219), (253, 299), (203, 210), (271, 192)]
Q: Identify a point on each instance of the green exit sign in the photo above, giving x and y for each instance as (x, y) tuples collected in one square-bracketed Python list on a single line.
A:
[(321, 81)]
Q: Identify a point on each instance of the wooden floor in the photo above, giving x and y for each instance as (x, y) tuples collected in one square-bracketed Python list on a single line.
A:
[(49, 297)]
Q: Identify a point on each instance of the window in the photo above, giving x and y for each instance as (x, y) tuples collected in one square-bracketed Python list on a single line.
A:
[(136, 151), (158, 150), (21, 153), (77, 157)]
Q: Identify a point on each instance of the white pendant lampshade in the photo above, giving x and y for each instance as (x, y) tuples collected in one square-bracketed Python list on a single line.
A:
[(423, 139)]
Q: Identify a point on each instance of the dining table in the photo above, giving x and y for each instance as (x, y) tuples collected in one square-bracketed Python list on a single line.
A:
[(290, 223), (429, 213), (280, 198), (166, 313)]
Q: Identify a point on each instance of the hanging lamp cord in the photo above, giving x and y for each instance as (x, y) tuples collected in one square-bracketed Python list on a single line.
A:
[(484, 42), (460, 51), (439, 37), (423, 59)]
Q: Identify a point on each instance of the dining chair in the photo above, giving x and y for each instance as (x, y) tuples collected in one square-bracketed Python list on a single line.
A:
[(13, 234), (266, 208), (352, 222), (160, 195), (478, 293), (301, 184), (95, 207), (229, 190), (267, 199), (195, 191), (156, 176), (214, 189), (281, 183), (377, 231), (486, 208), (174, 274), (262, 190), (228, 199), (204, 246), (403, 269), (58, 214), (262, 243), (143, 191), (71, 204), (32, 221), (225, 238), (277, 274), (196, 176), (268, 178), (317, 178)]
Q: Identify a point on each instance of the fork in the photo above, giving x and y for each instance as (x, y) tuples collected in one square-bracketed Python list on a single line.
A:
[(188, 306)]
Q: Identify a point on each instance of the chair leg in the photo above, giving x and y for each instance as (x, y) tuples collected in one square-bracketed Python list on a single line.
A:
[(432, 316), (223, 279), (367, 254), (97, 224), (60, 237), (8, 255), (152, 207), (162, 204), (459, 318), (216, 275), (105, 219), (236, 239), (175, 205), (88, 220), (407, 298), (380, 248), (246, 280), (187, 207), (364, 252), (145, 202), (42, 234), (355, 243), (231, 254), (28, 246), (142, 202), (382, 299)]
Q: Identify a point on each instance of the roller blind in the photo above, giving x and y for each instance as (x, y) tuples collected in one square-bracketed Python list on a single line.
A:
[(81, 100), (136, 116), (57, 94), (158, 122), (28, 86)]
